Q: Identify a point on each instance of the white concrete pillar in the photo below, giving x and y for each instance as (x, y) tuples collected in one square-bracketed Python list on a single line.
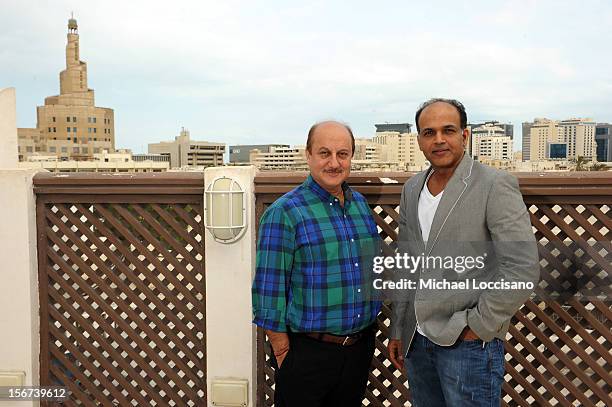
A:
[(230, 334), (9, 155), (19, 320)]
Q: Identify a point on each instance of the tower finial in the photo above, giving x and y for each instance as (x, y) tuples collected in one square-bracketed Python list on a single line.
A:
[(72, 24)]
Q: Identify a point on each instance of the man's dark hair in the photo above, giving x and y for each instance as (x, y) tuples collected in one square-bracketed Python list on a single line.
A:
[(454, 103), (314, 127)]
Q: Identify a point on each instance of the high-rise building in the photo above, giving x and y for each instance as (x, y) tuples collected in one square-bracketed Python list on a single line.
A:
[(366, 149), (547, 137), (402, 148), (490, 141), (70, 125), (579, 135), (508, 128), (526, 140), (186, 153), (603, 139)]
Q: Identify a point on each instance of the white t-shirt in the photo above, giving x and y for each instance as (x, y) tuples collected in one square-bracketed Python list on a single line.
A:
[(428, 204)]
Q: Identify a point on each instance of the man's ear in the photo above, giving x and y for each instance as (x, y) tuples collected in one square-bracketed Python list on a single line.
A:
[(465, 135)]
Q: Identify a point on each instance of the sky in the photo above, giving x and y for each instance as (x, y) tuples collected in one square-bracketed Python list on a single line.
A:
[(258, 72)]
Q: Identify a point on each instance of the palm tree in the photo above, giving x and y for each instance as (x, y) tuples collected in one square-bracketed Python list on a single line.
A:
[(580, 163), (598, 167)]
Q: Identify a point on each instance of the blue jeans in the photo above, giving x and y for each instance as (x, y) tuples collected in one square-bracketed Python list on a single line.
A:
[(464, 374)]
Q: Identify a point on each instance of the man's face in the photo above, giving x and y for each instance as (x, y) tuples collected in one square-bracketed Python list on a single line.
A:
[(329, 158), (440, 137)]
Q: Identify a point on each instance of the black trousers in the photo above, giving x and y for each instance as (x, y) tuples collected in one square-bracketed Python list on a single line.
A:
[(321, 374)]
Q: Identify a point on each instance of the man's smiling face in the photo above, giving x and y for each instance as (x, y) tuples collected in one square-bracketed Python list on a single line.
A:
[(440, 136), (329, 158)]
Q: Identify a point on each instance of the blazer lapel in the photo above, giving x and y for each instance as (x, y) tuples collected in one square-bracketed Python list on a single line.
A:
[(452, 193), (414, 202)]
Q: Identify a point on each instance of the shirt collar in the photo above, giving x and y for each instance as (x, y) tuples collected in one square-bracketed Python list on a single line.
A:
[(323, 194)]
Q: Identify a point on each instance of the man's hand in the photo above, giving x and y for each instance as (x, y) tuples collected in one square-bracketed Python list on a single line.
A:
[(468, 335), (280, 345), (395, 353), (280, 357)]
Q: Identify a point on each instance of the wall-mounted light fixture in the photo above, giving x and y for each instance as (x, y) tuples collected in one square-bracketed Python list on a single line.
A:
[(225, 209)]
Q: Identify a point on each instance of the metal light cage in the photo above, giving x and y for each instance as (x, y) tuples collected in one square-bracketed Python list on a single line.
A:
[(225, 209)]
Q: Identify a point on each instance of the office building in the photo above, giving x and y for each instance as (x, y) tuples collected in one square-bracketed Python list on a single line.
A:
[(70, 125), (240, 154), (490, 141), (183, 152), (546, 137), (393, 127), (118, 161), (603, 140), (402, 148), (280, 158)]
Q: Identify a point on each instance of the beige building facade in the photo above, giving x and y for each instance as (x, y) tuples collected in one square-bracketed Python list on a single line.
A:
[(280, 158), (118, 161), (70, 125), (184, 152), (490, 142), (402, 148), (577, 134)]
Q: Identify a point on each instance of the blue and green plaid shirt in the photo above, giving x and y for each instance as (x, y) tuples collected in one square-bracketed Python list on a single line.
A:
[(314, 261)]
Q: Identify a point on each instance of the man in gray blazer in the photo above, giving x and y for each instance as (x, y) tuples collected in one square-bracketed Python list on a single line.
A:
[(479, 263)]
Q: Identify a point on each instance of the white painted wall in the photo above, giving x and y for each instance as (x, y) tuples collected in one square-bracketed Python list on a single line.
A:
[(19, 323), (230, 334), (8, 129)]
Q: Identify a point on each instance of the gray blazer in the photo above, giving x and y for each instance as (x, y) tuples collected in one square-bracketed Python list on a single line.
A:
[(481, 211)]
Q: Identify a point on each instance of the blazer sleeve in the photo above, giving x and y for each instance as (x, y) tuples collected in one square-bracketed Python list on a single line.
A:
[(517, 255)]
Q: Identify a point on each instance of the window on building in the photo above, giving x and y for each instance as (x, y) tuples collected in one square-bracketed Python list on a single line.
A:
[(68, 129), (95, 129), (64, 149), (68, 119), (89, 130), (29, 149), (74, 119), (54, 119), (49, 129), (94, 119), (55, 130), (52, 149), (85, 150), (74, 129), (96, 150), (75, 150)]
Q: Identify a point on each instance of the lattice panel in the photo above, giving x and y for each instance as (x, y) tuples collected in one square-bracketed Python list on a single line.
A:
[(558, 349), (122, 303)]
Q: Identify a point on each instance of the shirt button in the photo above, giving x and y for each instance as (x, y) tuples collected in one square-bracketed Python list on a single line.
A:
[(359, 290), (356, 264)]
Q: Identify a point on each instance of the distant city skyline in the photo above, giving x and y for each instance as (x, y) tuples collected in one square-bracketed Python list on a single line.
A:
[(241, 73)]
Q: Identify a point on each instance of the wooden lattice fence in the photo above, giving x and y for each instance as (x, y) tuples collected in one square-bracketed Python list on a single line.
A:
[(122, 293), (558, 346)]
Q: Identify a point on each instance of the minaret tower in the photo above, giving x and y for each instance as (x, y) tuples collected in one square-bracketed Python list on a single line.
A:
[(70, 125), (74, 78)]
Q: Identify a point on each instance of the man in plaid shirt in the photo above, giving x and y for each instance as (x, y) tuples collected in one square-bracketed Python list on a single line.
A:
[(312, 291)]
